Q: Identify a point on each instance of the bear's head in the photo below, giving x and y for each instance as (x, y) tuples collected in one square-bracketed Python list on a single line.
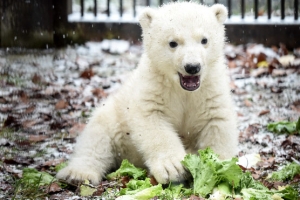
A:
[(184, 40)]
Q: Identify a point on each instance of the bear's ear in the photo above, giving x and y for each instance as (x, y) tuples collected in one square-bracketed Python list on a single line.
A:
[(146, 17), (220, 12)]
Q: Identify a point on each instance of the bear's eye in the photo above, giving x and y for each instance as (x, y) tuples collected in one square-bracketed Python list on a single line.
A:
[(173, 44), (204, 41)]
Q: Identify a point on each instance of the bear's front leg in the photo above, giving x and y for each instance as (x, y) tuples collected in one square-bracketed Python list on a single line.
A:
[(92, 156), (161, 148), (220, 134)]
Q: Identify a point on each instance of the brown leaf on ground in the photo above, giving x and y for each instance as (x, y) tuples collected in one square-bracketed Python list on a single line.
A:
[(296, 179), (247, 103), (76, 129), (100, 93), (99, 191), (296, 106), (29, 123), (61, 104), (267, 184), (53, 162), (37, 138), (3, 100), (276, 89), (263, 112), (261, 57), (30, 109), (23, 96), (87, 74), (54, 187), (36, 79), (249, 132), (292, 141), (266, 163)]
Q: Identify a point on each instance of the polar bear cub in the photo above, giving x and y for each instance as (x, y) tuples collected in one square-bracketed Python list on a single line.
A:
[(176, 102)]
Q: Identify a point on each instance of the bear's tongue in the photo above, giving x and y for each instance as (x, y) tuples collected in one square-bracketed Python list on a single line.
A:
[(189, 83)]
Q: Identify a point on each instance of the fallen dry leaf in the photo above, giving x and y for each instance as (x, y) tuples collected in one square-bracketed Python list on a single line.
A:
[(87, 74), (261, 57), (61, 104), (276, 89), (76, 129), (37, 138), (263, 112), (296, 105), (247, 103), (54, 187), (53, 162), (36, 79), (99, 92)]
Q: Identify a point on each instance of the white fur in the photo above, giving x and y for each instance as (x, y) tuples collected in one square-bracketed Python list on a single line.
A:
[(151, 120)]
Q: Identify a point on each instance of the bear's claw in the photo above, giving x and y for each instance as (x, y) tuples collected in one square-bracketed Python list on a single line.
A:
[(78, 174), (168, 170)]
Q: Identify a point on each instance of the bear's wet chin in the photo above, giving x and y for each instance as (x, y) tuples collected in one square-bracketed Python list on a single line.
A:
[(189, 83)]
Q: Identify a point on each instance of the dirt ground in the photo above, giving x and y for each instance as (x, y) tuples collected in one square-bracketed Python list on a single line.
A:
[(46, 97)]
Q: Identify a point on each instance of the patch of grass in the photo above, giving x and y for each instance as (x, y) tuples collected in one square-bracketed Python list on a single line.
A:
[(33, 184), (15, 80), (10, 134), (26, 189)]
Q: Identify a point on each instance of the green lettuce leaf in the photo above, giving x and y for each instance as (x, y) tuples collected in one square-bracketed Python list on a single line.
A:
[(175, 192), (286, 173), (147, 193), (287, 193), (285, 127), (247, 181), (86, 190), (135, 186), (203, 172), (208, 170), (128, 169), (256, 194), (60, 166), (33, 176)]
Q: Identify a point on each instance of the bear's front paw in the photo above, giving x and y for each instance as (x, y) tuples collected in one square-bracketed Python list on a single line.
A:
[(78, 174), (168, 169)]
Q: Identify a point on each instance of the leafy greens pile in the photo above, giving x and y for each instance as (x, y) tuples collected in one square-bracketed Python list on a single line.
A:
[(225, 179), (212, 179)]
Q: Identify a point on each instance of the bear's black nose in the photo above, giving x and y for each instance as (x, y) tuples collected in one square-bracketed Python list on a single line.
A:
[(192, 68)]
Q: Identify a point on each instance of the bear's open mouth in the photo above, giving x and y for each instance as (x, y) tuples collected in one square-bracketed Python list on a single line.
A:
[(189, 83)]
